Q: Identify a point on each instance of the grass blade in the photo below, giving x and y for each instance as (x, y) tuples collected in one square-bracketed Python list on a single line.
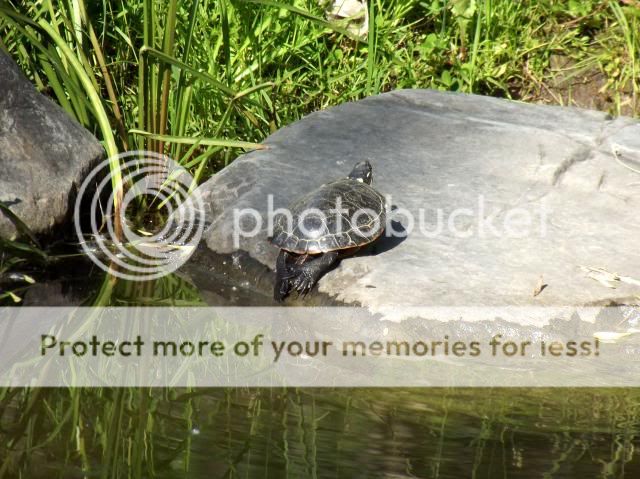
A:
[(203, 141)]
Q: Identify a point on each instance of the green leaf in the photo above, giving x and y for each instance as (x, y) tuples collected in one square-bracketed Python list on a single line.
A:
[(445, 78), (19, 224), (16, 248), (15, 297), (186, 140), (463, 8)]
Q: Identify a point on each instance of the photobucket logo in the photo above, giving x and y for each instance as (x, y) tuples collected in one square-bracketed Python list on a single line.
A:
[(481, 221), (161, 220)]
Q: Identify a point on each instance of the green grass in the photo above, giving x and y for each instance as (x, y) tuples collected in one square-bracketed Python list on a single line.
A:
[(237, 70), (143, 74)]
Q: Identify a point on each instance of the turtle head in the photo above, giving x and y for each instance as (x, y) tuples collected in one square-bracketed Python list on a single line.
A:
[(362, 172)]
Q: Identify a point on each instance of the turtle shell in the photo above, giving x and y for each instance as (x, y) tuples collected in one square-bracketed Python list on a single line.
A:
[(339, 215)]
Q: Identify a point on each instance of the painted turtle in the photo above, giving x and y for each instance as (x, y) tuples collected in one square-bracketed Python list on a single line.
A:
[(330, 222)]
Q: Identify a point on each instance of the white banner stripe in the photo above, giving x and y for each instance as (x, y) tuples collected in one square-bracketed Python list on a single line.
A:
[(318, 347)]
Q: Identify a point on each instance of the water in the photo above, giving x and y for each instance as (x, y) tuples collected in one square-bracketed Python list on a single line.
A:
[(300, 433), (416, 433), (350, 433)]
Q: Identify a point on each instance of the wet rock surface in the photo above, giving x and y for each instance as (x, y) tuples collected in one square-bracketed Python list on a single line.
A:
[(44, 154), (511, 204), (239, 280)]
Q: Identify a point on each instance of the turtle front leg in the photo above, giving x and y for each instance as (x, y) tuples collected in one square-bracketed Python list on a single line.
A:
[(308, 273), (284, 274)]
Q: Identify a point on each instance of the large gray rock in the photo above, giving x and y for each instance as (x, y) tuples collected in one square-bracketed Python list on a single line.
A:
[(555, 167), (44, 154)]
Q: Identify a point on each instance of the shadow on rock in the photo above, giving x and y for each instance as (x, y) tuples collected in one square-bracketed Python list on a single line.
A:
[(386, 242)]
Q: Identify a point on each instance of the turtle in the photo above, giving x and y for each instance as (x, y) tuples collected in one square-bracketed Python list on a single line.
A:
[(323, 226)]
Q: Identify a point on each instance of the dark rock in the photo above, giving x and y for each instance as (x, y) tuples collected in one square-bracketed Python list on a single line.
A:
[(44, 154)]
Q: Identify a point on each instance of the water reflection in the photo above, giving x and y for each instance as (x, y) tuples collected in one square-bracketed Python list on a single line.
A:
[(412, 433)]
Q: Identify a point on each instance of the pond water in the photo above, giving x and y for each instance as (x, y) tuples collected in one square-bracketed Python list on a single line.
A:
[(349, 433), (416, 433), (299, 433)]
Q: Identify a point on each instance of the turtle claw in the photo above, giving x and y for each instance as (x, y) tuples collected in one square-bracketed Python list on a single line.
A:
[(303, 282), (300, 275)]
